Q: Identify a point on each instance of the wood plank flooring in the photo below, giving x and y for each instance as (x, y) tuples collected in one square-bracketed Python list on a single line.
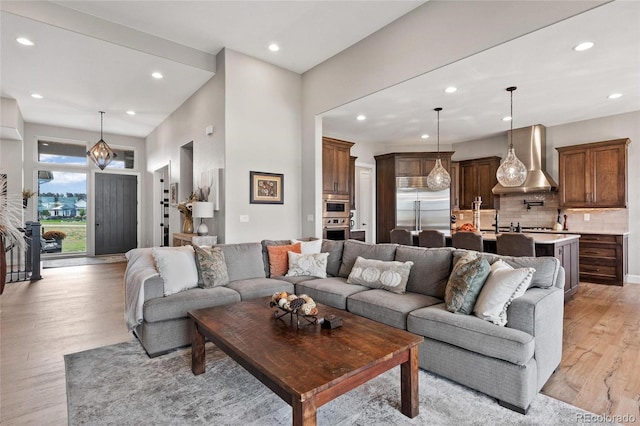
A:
[(79, 308)]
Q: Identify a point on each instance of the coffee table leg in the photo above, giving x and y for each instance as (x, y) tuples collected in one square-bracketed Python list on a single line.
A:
[(410, 401), (304, 413), (197, 351)]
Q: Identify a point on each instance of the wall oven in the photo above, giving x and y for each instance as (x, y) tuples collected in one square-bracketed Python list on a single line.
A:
[(335, 228)]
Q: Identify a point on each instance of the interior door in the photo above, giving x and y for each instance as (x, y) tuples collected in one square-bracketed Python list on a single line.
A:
[(364, 204), (116, 218)]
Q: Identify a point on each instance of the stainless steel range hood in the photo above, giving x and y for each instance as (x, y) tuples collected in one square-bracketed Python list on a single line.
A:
[(530, 145)]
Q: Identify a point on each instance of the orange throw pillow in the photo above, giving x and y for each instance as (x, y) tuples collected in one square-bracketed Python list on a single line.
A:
[(279, 258)]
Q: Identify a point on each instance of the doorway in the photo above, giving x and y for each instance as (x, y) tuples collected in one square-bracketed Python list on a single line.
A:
[(364, 202), (116, 213)]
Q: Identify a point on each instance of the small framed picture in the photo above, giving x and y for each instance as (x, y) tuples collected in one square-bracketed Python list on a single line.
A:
[(266, 188), (173, 194)]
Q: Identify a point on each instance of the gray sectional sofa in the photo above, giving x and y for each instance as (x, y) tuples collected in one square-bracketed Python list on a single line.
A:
[(509, 363)]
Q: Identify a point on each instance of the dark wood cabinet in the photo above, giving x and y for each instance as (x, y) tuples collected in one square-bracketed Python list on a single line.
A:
[(335, 167), (478, 177), (455, 185), (390, 166), (352, 182), (568, 254), (604, 258), (594, 174), (357, 235)]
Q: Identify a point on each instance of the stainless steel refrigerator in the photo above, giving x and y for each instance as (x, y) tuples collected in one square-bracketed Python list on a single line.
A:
[(418, 208)]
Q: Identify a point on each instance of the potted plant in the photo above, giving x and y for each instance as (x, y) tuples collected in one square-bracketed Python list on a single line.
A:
[(10, 227), (26, 194), (55, 235)]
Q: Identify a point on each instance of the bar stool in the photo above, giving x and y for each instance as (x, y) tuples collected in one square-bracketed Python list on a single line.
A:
[(467, 240), (401, 236), (515, 245), (431, 238)]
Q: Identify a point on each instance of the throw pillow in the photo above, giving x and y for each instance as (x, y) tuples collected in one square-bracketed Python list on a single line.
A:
[(387, 275), (309, 247), (502, 286), (212, 267), (308, 265), (279, 260), (465, 282), (177, 267)]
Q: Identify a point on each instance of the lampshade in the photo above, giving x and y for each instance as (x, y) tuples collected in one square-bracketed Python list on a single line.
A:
[(202, 209), (101, 153), (512, 172), (438, 179)]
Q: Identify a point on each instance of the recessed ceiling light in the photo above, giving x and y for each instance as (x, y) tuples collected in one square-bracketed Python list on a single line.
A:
[(24, 41), (361, 117), (131, 112), (451, 89), (507, 118), (614, 96), (37, 95), (583, 46), (425, 136), (157, 75), (274, 47)]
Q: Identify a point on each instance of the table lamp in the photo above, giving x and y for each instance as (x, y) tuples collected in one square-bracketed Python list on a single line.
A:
[(202, 209)]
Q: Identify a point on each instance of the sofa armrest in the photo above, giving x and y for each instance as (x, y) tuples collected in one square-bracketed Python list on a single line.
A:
[(153, 288), (540, 313)]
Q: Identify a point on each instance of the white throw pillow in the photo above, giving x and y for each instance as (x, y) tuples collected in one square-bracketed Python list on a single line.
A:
[(387, 275), (307, 265), (502, 286), (177, 267), (309, 247)]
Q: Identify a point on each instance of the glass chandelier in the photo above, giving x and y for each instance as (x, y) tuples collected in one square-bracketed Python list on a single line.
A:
[(101, 153), (512, 172), (438, 178)]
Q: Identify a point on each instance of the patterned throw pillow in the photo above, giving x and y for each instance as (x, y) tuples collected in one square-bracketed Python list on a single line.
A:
[(211, 267), (465, 282), (308, 265), (177, 267), (387, 275), (279, 260), (502, 286)]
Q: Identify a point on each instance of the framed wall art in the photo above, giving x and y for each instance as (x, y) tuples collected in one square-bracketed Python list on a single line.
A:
[(173, 194), (266, 188)]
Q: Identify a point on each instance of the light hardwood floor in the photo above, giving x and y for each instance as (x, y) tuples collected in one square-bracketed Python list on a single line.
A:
[(79, 308)]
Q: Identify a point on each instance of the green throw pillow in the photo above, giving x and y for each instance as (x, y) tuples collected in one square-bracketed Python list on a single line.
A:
[(212, 267), (465, 282)]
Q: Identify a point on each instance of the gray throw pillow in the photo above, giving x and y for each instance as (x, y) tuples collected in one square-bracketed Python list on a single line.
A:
[(334, 248), (212, 267), (466, 281)]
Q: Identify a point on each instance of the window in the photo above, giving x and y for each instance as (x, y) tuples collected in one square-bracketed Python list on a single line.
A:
[(76, 153)]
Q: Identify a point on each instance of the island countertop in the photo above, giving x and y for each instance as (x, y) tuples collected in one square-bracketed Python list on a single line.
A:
[(538, 238)]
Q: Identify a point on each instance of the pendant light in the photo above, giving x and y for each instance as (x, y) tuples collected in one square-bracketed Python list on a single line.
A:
[(438, 178), (512, 172), (101, 153)]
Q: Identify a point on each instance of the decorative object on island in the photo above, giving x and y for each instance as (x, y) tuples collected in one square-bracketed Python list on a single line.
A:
[(301, 306), (512, 172), (438, 178), (266, 188), (26, 194), (477, 202), (203, 210), (186, 209), (101, 153)]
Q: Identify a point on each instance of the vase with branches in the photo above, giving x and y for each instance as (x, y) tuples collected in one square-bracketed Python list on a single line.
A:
[(10, 227)]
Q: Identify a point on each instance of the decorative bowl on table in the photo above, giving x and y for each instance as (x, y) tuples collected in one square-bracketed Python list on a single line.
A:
[(302, 307)]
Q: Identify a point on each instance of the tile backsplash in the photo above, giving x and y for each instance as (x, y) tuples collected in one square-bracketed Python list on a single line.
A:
[(513, 208)]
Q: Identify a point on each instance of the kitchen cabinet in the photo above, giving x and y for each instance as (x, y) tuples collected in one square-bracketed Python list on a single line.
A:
[(604, 258), (594, 174), (335, 167), (478, 177), (568, 254), (388, 168), (455, 185), (352, 182), (357, 235)]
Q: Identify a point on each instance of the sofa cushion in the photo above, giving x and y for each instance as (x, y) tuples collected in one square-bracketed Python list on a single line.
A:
[(177, 305), (332, 291), (471, 333), (334, 248), (353, 249), (386, 275), (177, 267), (279, 258), (430, 271), (265, 253), (295, 280), (260, 287), (466, 281), (313, 265), (388, 308), (212, 268), (244, 260), (502, 286)]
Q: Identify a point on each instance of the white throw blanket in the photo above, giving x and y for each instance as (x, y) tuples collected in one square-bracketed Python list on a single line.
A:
[(140, 267)]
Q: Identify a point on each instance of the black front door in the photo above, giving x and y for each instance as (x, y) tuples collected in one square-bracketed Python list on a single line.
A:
[(116, 225)]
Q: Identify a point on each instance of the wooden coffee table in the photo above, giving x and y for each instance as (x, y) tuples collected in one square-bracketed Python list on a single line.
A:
[(310, 366)]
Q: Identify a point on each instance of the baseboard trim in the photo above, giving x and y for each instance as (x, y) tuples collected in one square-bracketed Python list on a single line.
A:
[(633, 279)]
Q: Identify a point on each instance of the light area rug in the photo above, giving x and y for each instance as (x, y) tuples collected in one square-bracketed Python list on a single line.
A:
[(121, 385), (83, 260)]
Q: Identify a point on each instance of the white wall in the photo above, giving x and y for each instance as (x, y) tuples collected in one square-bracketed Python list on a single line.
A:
[(262, 105)]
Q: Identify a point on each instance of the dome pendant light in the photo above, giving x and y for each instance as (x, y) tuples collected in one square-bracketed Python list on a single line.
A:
[(512, 172), (438, 178), (101, 153)]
